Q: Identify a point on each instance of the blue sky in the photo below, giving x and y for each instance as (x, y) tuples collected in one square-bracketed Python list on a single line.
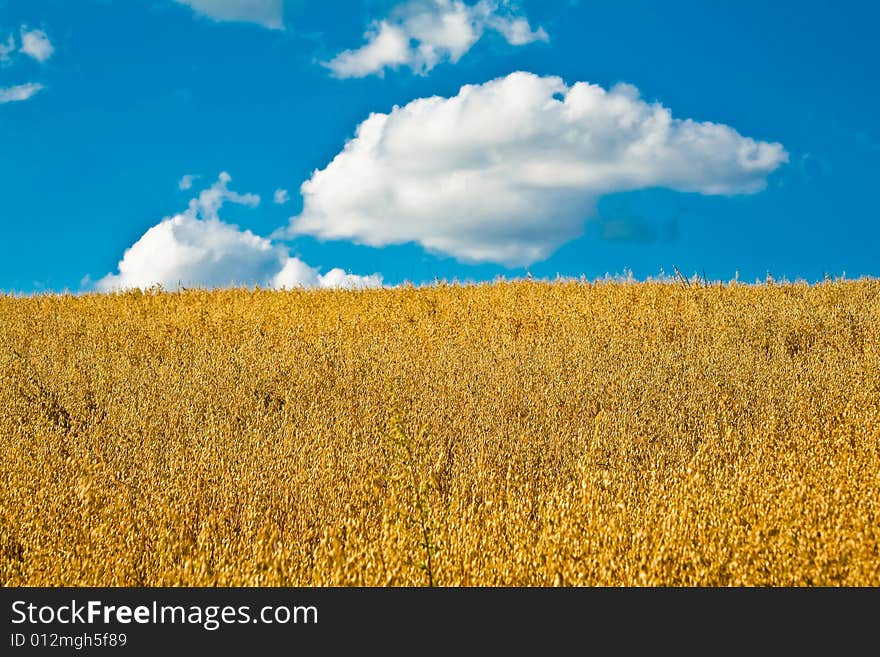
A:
[(527, 173)]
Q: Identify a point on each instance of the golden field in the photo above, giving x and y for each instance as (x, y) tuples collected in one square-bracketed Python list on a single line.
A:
[(520, 433)]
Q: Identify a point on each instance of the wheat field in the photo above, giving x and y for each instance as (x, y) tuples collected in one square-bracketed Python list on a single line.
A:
[(513, 433)]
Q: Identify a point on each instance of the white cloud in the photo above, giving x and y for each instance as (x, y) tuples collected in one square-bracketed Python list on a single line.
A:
[(516, 30), (509, 170), (296, 273), (210, 200), (6, 48), (281, 196), (36, 44), (19, 92), (196, 249), (268, 13), (420, 34), (185, 182)]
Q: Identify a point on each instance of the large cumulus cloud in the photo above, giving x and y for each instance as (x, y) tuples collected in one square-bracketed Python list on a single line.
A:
[(509, 170)]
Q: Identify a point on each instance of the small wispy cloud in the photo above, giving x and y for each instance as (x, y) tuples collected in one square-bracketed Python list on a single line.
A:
[(266, 13), (186, 182), (36, 44), (509, 170), (6, 48), (420, 34), (281, 196), (19, 92), (196, 248)]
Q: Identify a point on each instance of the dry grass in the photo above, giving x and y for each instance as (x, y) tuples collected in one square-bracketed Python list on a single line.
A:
[(515, 433)]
